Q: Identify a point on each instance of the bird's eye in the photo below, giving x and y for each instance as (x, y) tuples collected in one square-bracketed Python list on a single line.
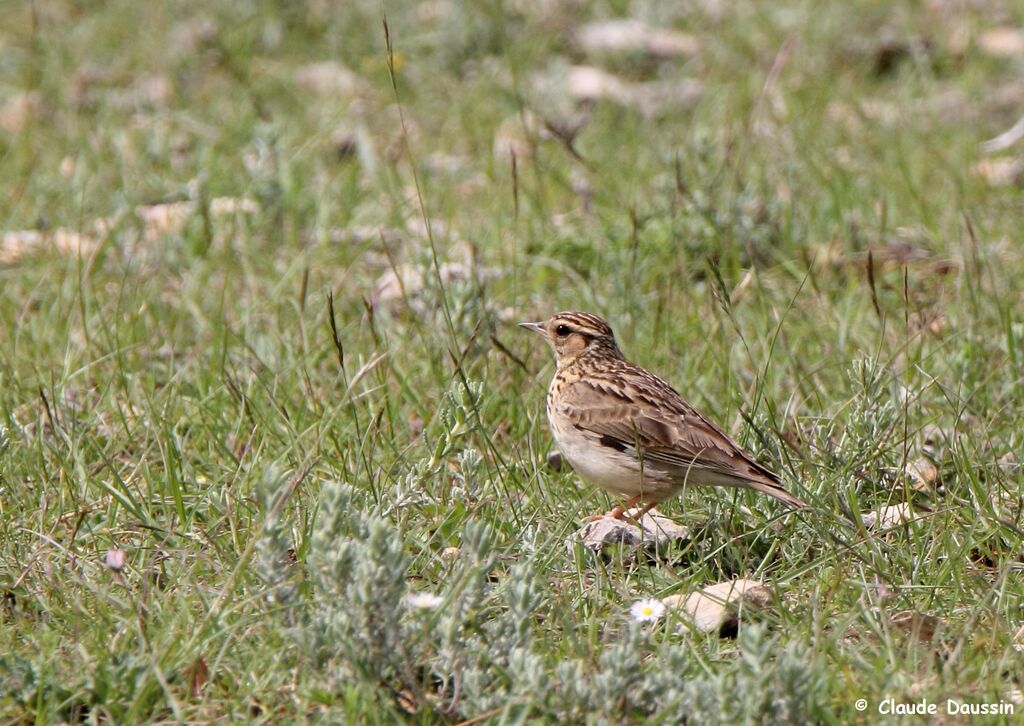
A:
[(562, 330)]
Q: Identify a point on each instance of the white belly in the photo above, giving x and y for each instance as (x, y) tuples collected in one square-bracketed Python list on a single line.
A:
[(616, 471)]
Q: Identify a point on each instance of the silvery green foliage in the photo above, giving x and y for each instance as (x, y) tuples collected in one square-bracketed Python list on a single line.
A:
[(470, 470), (457, 639), (497, 668), (523, 595), (763, 444), (410, 490), (479, 654), (530, 540), (5, 445), (874, 408), (273, 561), (619, 674), (663, 687), (764, 687), (421, 484), (874, 411), (572, 693), (459, 410), (358, 568)]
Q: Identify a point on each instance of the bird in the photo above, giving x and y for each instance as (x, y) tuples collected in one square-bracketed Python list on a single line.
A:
[(625, 429)]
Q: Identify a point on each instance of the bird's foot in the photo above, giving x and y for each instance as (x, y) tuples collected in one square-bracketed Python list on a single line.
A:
[(616, 513)]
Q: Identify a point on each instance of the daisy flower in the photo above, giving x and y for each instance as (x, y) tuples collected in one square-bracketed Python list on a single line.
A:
[(424, 601), (647, 611)]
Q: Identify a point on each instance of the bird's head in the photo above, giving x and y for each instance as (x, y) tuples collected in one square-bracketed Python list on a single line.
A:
[(571, 334)]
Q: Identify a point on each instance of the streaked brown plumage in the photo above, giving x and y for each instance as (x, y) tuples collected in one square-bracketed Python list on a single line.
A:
[(627, 430)]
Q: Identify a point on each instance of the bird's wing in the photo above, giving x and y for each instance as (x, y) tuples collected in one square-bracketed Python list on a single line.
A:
[(662, 426)]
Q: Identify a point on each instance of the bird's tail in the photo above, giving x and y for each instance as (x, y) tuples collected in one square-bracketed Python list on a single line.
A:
[(774, 489)]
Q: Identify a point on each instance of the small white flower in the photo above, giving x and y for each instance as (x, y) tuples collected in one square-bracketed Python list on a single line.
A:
[(647, 611), (424, 601)]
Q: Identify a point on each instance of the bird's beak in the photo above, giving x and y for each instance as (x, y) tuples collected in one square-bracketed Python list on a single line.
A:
[(535, 327)]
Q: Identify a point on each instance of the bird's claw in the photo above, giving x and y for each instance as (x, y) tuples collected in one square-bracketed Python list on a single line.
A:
[(616, 513)]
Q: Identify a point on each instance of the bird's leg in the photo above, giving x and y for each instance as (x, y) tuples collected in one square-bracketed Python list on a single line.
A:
[(646, 509), (618, 511), (636, 519)]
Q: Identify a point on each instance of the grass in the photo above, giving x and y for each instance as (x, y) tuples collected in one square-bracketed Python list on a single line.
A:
[(807, 252)]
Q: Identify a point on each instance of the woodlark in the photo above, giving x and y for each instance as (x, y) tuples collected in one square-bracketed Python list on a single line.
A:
[(627, 430)]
